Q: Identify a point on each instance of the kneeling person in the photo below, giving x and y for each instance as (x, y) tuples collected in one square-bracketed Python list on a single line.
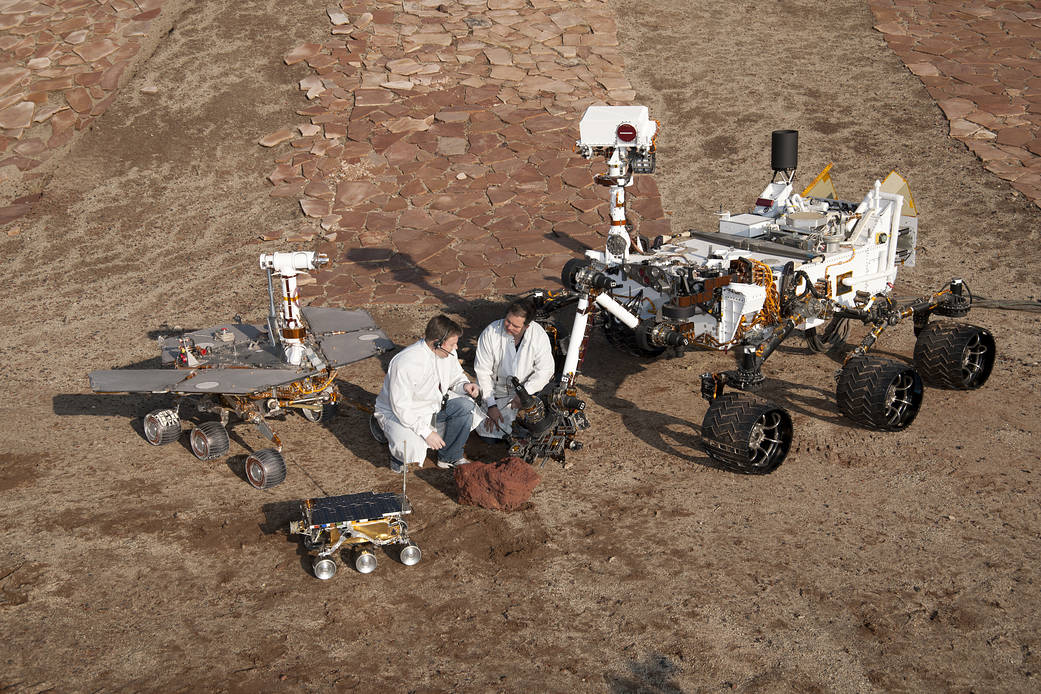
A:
[(511, 347), (423, 402)]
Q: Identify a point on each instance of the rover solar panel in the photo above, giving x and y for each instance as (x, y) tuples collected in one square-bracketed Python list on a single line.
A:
[(239, 381), (354, 508)]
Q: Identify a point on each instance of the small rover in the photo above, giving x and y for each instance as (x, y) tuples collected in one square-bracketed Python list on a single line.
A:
[(359, 522)]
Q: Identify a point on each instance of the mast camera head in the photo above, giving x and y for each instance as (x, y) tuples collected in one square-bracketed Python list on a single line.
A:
[(606, 129)]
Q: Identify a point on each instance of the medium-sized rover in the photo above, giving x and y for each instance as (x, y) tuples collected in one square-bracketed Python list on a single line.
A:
[(253, 372)]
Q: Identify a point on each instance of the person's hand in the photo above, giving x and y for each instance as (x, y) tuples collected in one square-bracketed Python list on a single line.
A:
[(515, 403), (435, 441), (494, 416), (472, 390)]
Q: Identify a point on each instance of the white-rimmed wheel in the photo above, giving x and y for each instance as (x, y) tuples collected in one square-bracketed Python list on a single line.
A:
[(210, 441), (323, 414), (265, 468), (324, 568), (161, 427), (365, 561)]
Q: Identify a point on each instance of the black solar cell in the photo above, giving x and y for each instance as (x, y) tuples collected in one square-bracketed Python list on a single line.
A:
[(364, 506)]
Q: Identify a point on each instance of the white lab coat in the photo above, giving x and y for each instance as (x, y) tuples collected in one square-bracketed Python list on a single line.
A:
[(499, 358), (413, 389)]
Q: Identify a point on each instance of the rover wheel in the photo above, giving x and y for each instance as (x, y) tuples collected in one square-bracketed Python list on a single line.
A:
[(376, 430), (324, 568), (623, 338), (410, 555), (265, 468), (954, 355), (365, 561), (746, 434), (210, 440), (832, 337), (161, 427), (327, 412), (879, 393)]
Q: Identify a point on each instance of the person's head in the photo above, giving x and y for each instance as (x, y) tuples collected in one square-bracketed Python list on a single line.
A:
[(518, 316), (442, 335)]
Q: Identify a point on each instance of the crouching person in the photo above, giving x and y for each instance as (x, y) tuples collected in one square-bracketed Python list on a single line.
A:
[(427, 401), (511, 347)]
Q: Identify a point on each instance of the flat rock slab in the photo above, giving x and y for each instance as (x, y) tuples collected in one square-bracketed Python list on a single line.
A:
[(448, 140), (76, 49), (502, 486), (979, 79)]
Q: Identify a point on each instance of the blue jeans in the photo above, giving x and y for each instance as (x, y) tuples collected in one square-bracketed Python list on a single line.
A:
[(457, 416)]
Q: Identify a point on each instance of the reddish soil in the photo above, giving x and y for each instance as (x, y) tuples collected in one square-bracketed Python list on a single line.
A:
[(867, 562)]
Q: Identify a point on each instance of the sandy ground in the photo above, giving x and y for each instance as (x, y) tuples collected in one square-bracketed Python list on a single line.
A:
[(867, 562)]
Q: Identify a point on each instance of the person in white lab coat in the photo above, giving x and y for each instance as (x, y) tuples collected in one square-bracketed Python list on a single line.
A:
[(514, 346), (427, 401)]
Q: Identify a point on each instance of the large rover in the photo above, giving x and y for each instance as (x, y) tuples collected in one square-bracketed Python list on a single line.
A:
[(804, 263)]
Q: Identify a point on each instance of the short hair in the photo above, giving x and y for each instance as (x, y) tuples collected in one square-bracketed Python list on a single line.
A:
[(440, 328), (522, 307)]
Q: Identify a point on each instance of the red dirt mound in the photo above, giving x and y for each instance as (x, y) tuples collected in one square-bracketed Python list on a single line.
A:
[(504, 486)]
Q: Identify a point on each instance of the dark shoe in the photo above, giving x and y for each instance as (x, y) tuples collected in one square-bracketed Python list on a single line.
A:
[(490, 440), (396, 465)]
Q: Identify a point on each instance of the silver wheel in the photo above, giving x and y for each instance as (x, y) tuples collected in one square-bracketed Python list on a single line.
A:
[(410, 555), (324, 568), (210, 441), (161, 427), (767, 439), (365, 562), (899, 400)]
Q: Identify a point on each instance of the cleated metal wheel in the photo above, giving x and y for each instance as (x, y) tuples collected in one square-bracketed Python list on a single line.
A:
[(209, 441), (265, 468), (376, 430), (327, 412), (954, 355), (879, 393), (161, 427), (833, 337), (746, 434)]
